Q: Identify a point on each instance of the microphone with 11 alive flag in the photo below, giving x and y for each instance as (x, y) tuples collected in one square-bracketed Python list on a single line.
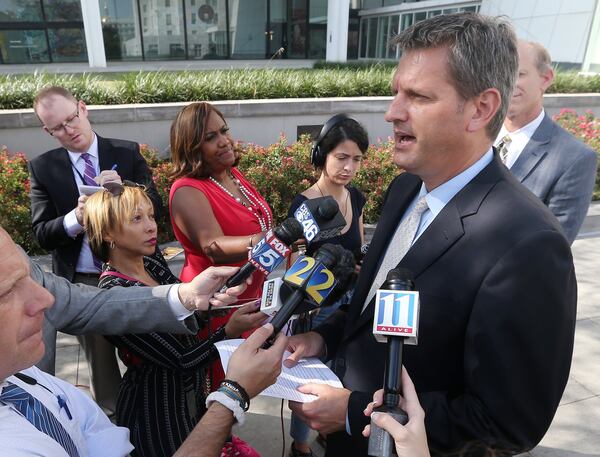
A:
[(269, 252), (396, 321), (310, 278), (320, 218)]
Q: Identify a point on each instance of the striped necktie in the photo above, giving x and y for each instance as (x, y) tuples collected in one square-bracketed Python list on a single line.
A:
[(89, 173), (503, 147), (399, 246), (35, 412)]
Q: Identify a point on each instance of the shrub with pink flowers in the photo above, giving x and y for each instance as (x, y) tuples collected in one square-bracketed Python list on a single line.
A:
[(585, 127), (15, 216), (279, 171)]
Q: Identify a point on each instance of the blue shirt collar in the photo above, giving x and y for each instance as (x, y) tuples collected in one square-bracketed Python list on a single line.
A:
[(441, 195)]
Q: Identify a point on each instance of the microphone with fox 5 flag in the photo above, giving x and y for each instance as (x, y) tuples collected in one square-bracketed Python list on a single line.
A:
[(276, 291), (320, 218), (310, 278), (269, 252), (396, 319)]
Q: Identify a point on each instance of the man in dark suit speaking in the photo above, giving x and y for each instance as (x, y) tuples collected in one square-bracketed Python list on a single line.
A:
[(491, 263), (57, 206)]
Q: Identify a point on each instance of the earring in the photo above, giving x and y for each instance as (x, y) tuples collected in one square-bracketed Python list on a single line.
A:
[(112, 244)]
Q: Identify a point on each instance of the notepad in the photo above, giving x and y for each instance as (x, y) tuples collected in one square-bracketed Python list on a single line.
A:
[(310, 370)]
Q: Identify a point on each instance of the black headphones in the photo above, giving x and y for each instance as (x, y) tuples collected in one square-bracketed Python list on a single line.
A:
[(317, 158)]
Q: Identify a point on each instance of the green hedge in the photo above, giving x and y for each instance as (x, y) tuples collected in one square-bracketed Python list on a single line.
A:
[(333, 80)]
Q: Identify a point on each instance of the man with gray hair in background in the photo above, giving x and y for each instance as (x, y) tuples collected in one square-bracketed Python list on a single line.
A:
[(492, 266), (545, 158)]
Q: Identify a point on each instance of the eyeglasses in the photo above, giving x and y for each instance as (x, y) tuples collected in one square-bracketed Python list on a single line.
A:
[(70, 122)]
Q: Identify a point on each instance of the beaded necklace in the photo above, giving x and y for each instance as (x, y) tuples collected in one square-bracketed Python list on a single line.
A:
[(256, 205)]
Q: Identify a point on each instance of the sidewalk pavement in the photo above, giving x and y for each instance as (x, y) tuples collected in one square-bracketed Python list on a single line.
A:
[(575, 431)]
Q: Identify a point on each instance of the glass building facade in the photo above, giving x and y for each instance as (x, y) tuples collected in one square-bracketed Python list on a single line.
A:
[(378, 28), (45, 31), (41, 31)]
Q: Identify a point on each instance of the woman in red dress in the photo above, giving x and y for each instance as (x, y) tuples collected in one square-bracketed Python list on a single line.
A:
[(216, 213)]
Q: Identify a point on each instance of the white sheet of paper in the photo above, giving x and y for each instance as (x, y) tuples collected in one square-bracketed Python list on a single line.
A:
[(308, 370)]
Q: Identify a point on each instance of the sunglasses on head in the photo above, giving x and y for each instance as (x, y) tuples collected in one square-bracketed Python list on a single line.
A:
[(117, 189)]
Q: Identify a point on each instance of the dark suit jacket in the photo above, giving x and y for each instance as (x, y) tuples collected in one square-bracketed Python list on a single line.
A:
[(54, 193), (497, 318), (561, 171)]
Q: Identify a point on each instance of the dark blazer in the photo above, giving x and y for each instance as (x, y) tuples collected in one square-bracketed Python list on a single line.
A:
[(497, 318), (561, 171), (54, 193)]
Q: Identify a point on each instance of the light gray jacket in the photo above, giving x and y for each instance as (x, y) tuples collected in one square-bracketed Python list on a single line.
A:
[(79, 309), (561, 171)]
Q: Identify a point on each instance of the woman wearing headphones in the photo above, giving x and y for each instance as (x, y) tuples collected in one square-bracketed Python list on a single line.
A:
[(337, 152)]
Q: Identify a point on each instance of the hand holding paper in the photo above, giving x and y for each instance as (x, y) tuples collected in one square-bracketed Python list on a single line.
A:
[(307, 371)]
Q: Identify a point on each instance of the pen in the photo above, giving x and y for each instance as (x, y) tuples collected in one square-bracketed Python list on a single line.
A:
[(62, 404), (114, 167)]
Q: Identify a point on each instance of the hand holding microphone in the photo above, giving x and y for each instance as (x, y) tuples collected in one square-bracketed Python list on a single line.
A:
[(395, 319), (410, 438)]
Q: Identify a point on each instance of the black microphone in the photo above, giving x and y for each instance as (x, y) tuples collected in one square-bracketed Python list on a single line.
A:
[(311, 278), (269, 252), (395, 318), (320, 218), (277, 291)]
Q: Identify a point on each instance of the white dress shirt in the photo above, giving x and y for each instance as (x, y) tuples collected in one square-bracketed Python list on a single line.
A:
[(519, 139), (85, 262), (91, 431)]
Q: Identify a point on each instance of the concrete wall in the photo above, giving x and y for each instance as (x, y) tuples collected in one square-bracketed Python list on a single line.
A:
[(258, 121)]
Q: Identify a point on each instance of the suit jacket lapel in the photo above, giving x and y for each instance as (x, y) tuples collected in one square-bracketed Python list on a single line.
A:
[(396, 203), (106, 155), (442, 233), (64, 165), (534, 151)]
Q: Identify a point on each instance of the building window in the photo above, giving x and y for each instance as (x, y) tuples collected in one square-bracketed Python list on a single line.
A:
[(43, 31), (193, 18), (167, 3), (377, 30), (168, 19)]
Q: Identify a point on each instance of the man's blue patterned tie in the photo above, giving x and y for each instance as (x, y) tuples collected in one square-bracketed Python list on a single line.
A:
[(36, 413)]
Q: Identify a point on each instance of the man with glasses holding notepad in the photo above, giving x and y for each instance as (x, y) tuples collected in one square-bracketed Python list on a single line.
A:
[(58, 179)]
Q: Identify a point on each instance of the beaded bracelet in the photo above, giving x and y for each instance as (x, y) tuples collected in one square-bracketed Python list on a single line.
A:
[(235, 387), (234, 396)]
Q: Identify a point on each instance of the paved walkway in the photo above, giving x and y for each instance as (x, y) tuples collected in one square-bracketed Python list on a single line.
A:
[(575, 431)]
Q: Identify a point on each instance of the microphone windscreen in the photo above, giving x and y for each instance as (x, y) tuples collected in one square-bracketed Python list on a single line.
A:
[(343, 270), (289, 231), (328, 208), (399, 273)]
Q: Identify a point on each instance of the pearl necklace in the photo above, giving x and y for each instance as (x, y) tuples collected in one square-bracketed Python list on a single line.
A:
[(264, 219)]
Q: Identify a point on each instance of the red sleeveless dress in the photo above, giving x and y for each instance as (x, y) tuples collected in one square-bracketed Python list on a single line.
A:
[(235, 219)]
